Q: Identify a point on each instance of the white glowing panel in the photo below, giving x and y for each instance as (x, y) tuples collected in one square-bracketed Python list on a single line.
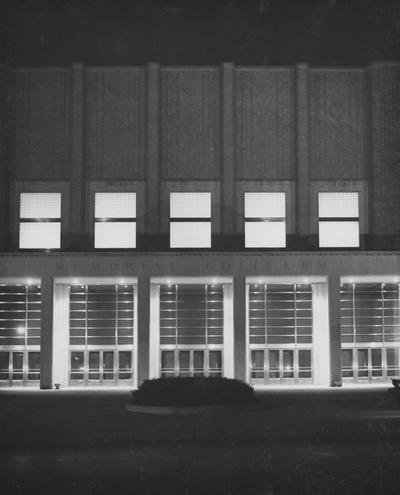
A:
[(190, 205), (40, 205), (338, 204), (265, 234), (115, 205), (190, 234), (339, 234), (115, 235), (264, 205), (39, 235)]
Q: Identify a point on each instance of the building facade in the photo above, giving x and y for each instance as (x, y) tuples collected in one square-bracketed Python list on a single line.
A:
[(182, 221)]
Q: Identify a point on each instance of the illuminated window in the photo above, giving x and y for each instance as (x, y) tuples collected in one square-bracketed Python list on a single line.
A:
[(40, 221), (338, 219), (265, 224), (115, 220), (190, 220)]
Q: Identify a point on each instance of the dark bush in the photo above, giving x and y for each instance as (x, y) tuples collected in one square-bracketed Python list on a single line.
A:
[(196, 391)]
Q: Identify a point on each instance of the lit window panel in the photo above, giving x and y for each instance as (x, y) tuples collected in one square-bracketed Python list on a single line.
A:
[(190, 205), (265, 220), (115, 205), (40, 221), (40, 235), (265, 234), (115, 235), (115, 220), (339, 234), (190, 220), (190, 234), (338, 204), (338, 220)]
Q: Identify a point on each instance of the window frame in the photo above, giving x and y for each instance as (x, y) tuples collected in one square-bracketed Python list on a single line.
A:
[(41, 187), (114, 220), (340, 219), (359, 186), (94, 187), (262, 220)]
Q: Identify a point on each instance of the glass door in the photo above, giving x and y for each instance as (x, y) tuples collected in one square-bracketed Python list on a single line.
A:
[(367, 364), (281, 366), (191, 362), (19, 367), (100, 367)]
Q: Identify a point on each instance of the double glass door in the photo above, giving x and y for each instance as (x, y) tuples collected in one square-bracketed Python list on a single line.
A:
[(19, 367), (100, 367), (370, 363), (191, 362), (281, 365)]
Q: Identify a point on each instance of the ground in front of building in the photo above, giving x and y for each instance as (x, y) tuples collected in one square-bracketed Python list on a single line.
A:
[(304, 441)]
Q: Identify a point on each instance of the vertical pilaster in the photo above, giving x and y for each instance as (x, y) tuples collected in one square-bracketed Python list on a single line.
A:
[(61, 334), (143, 330), (46, 341), (5, 118), (152, 149), (321, 337), (77, 218), (227, 149), (302, 155), (334, 328), (239, 318)]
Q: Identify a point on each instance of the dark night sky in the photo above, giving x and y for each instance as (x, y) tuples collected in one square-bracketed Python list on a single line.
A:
[(176, 32)]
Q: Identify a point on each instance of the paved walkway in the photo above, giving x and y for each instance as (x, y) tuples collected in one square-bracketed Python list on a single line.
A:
[(328, 442)]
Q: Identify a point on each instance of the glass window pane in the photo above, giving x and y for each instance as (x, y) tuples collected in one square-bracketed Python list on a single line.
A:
[(108, 365), (37, 235), (4, 365), (190, 205), (76, 360), (198, 362), (339, 234), (264, 205), (40, 205), (167, 360), (184, 360), (265, 234), (257, 359), (304, 358), (215, 360), (115, 205), (17, 362), (347, 358), (115, 235), (190, 234), (338, 204), (125, 364), (33, 365), (287, 361)]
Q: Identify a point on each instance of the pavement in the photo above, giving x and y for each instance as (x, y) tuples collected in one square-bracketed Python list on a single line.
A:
[(332, 441)]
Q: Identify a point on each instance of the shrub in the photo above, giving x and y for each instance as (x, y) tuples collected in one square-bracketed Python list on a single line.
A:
[(196, 391)]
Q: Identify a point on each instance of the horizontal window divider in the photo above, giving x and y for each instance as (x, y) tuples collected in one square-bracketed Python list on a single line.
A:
[(40, 220), (190, 219), (265, 219), (115, 219), (339, 219)]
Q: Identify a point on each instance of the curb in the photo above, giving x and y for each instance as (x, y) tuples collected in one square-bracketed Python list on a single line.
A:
[(191, 410)]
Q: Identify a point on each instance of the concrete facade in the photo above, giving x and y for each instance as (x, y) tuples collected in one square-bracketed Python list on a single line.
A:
[(226, 130)]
